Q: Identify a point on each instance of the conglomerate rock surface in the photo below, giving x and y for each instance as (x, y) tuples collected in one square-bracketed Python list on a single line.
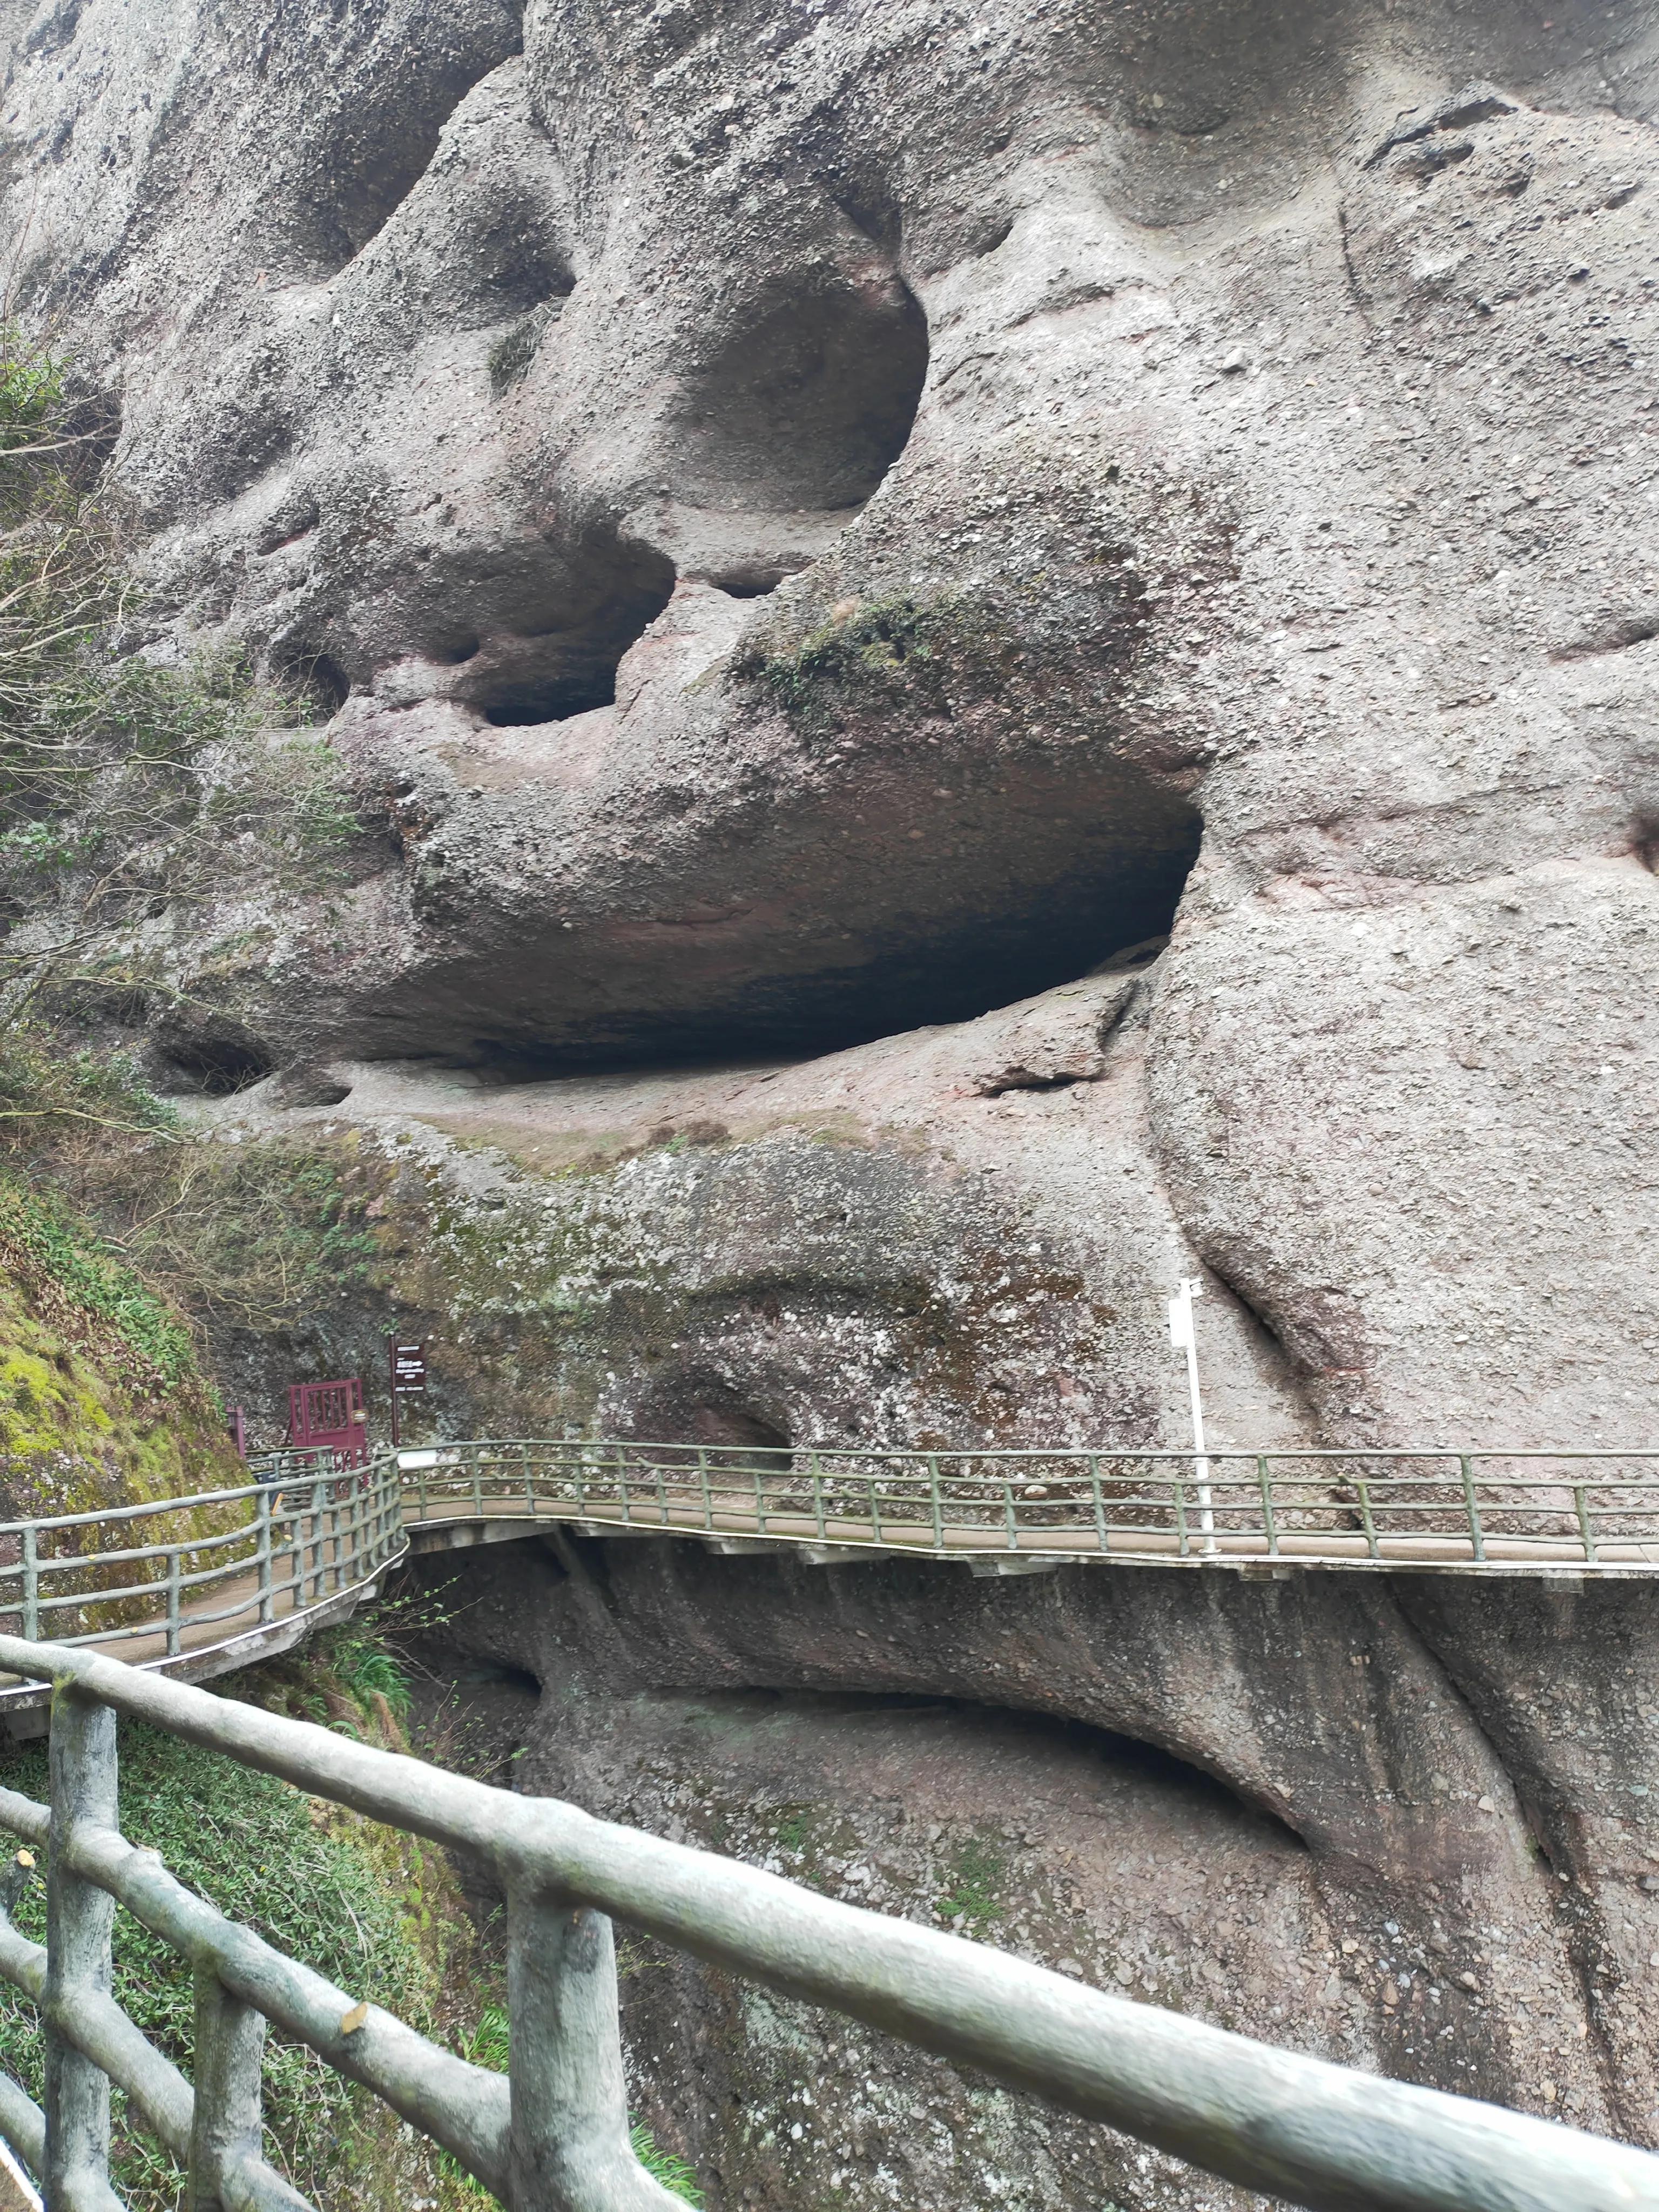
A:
[(828, 533)]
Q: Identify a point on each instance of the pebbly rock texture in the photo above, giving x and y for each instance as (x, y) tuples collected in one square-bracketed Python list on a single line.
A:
[(955, 1237), (1391, 1822), (989, 657)]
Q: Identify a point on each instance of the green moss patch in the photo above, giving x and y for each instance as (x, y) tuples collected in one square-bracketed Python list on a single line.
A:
[(886, 653)]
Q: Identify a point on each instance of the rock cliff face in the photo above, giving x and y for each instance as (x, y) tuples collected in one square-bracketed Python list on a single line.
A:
[(1401, 1823), (990, 656), (813, 517)]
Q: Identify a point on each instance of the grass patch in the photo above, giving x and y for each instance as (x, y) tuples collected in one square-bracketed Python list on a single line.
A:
[(674, 2174), (879, 656), (792, 1827), (976, 1873), (72, 1274)]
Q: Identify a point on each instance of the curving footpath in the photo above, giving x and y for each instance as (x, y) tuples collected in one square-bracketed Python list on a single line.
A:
[(200, 1586)]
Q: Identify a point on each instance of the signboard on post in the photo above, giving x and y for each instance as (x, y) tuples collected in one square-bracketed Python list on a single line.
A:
[(407, 1363)]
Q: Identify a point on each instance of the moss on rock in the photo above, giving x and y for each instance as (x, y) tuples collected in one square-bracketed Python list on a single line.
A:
[(102, 1401)]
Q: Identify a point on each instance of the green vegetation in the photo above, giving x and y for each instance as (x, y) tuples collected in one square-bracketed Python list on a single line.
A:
[(976, 1873), (259, 1234), (874, 656), (74, 1439), (314, 1884), (40, 1239), (792, 1827), (489, 2044), (125, 779), (377, 1912), (675, 2175), (102, 1398), (127, 785), (41, 1086)]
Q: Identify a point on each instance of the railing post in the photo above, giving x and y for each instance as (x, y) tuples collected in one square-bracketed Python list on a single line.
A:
[(314, 1590), (939, 1503), (569, 2146), (815, 1468), (1586, 1533), (1364, 1489), (31, 1586), (707, 1498), (266, 1537), (175, 1604), (227, 2130), (1477, 1535), (80, 1918), (1265, 1479), (1102, 1537)]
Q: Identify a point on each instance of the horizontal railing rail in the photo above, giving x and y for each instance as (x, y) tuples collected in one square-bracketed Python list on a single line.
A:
[(552, 2135), (1422, 1506)]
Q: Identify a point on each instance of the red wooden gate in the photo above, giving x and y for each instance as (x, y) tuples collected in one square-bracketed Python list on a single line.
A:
[(329, 1417)]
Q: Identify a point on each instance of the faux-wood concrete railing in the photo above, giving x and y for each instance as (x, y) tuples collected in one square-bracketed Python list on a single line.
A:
[(552, 2135), (199, 1585), (268, 1549), (1424, 1507)]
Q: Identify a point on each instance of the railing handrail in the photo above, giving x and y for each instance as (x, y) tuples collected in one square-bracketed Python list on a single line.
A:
[(758, 1454), (151, 1507), (752, 1453), (328, 1526), (1321, 2135)]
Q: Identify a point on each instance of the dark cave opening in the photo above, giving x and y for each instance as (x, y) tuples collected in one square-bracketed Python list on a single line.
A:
[(216, 1063), (551, 699), (807, 397), (559, 658), (748, 583), (313, 679), (1007, 927)]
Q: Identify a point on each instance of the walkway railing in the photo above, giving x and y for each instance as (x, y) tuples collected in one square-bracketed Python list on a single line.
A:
[(552, 2135), (181, 1578), (1420, 1508), (197, 1584)]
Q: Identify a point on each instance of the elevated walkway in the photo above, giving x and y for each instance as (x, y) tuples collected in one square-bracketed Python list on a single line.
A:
[(197, 1587)]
